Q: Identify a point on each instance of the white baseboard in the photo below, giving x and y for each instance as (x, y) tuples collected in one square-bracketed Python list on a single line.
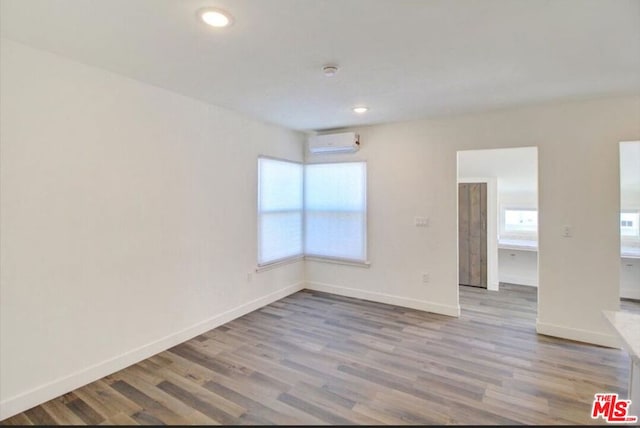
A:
[(519, 280), (26, 400), (577, 334), (422, 305), (630, 293)]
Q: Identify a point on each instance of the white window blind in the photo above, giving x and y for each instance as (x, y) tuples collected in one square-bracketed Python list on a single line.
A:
[(280, 208), (335, 208)]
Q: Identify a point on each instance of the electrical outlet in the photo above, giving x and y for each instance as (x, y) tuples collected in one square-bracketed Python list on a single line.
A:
[(567, 231), (249, 277), (425, 278)]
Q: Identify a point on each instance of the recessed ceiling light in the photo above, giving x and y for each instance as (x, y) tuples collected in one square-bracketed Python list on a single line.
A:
[(360, 109), (330, 70), (215, 17)]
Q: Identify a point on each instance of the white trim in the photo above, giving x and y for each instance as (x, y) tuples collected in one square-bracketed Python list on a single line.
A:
[(260, 212), (578, 334), (280, 159), (24, 401), (365, 211), (513, 245), (422, 305), (492, 227), (337, 261), (630, 293), (626, 254), (278, 263)]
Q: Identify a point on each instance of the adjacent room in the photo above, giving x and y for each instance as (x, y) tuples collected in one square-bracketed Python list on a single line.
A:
[(630, 220), (334, 212), (498, 226), (505, 216)]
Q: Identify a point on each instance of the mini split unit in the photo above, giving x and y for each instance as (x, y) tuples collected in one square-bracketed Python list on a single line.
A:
[(343, 142)]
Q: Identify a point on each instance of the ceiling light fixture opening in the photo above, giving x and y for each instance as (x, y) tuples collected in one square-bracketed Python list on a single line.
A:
[(215, 17), (360, 109)]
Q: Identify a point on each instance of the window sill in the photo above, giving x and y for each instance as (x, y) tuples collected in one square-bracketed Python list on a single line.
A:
[(344, 262), (296, 259), (279, 263), (630, 252)]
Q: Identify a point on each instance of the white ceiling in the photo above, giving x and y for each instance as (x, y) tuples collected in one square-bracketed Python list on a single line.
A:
[(516, 169), (405, 59)]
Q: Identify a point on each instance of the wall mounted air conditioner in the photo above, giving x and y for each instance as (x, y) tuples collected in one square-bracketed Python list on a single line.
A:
[(343, 142)]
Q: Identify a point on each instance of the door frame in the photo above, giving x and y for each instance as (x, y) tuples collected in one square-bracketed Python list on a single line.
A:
[(492, 228)]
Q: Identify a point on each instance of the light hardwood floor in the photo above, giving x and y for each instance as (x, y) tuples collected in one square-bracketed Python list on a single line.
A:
[(316, 358)]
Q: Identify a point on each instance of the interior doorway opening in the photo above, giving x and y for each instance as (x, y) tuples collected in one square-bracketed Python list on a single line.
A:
[(498, 219), (630, 225)]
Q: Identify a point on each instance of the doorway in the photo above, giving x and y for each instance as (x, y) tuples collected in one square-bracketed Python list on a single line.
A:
[(630, 225), (498, 222)]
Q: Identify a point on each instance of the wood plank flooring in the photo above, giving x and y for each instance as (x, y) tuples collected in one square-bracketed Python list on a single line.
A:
[(317, 358)]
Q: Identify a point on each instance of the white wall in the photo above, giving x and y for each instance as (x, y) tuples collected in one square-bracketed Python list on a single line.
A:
[(412, 171), (128, 222), (523, 199)]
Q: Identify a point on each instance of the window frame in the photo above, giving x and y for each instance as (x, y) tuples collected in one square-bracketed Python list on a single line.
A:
[(365, 227), (631, 238), (517, 234), (259, 212)]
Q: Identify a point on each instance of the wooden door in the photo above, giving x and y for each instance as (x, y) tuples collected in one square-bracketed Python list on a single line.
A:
[(472, 234)]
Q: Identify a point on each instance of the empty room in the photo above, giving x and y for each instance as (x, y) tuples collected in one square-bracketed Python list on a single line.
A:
[(305, 212)]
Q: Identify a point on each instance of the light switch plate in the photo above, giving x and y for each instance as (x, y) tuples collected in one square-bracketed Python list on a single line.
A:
[(422, 221)]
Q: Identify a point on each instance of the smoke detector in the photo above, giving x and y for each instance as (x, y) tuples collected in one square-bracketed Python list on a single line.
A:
[(330, 70)]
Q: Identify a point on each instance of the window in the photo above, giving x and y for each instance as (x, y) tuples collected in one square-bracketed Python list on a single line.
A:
[(280, 207), (317, 210), (520, 220), (336, 210), (630, 223)]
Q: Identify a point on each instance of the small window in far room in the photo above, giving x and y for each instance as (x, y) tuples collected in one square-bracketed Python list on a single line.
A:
[(520, 220), (630, 223)]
